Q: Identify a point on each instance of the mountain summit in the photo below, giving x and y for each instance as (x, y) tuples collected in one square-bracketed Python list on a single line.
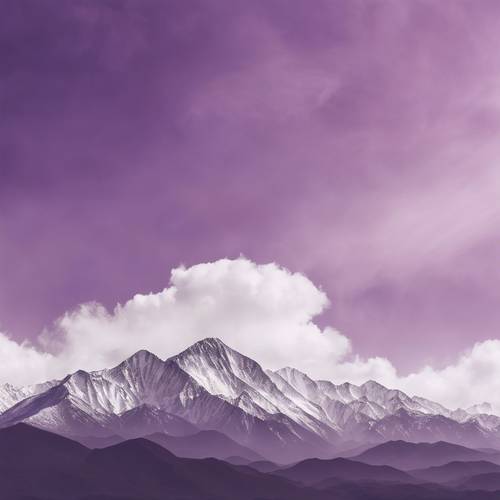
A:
[(283, 415)]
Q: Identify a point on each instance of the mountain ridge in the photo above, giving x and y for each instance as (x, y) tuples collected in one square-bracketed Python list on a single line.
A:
[(282, 415)]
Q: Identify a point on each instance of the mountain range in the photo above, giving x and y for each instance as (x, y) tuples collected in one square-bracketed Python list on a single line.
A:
[(40, 465), (283, 415), (211, 421)]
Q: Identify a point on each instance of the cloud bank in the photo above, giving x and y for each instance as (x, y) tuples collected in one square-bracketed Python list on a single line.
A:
[(264, 311)]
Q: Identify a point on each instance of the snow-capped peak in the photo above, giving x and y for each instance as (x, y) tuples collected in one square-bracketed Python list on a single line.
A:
[(141, 359), (211, 385)]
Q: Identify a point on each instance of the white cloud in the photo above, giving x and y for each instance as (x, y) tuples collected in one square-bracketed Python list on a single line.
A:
[(264, 311), (22, 363), (473, 378)]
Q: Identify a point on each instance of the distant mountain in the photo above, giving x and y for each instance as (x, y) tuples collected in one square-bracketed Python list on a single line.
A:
[(373, 490), (284, 415), (204, 444), (484, 482), (99, 442), (237, 460), (143, 469), (264, 466), (455, 471), (406, 456), (315, 471), (39, 465), (418, 427)]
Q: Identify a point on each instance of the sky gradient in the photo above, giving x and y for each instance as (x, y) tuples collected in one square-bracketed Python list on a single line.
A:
[(355, 142)]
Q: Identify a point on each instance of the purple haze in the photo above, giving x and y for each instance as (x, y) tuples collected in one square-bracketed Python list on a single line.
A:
[(356, 141)]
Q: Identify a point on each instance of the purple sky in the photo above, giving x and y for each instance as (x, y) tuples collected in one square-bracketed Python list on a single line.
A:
[(354, 141)]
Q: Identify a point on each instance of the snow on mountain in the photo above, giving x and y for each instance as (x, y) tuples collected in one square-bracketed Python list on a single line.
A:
[(484, 408), (9, 396), (298, 399), (283, 414), (226, 373), (142, 419), (431, 407)]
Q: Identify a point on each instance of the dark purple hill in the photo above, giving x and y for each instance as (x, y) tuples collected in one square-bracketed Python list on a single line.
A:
[(29, 447), (36, 465), (141, 467), (39, 465), (485, 482), (316, 470), (204, 444), (264, 466), (454, 471), (406, 456)]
